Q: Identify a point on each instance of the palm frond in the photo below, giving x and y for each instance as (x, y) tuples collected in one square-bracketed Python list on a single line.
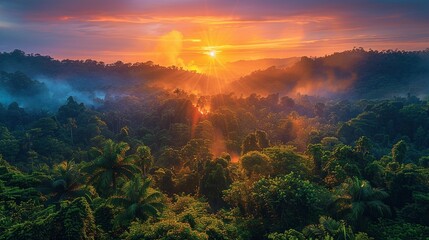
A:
[(153, 197), (379, 207), (59, 185), (149, 210), (119, 201), (357, 210), (158, 205)]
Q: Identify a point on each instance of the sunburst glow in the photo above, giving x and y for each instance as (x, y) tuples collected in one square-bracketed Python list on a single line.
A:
[(212, 53)]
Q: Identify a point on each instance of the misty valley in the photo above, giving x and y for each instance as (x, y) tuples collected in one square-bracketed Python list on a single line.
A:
[(332, 147)]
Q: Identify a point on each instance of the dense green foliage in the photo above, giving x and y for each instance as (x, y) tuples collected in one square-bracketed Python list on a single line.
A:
[(254, 167)]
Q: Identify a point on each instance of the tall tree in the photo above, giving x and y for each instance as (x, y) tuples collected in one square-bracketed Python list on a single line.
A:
[(399, 151), (67, 183), (316, 153), (216, 178), (288, 201), (110, 163), (285, 159), (144, 159), (139, 201), (262, 138), (250, 143), (359, 202), (255, 163)]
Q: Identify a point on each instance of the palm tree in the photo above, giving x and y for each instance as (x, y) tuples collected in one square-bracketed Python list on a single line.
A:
[(71, 123), (110, 164), (144, 159), (139, 201), (66, 185), (359, 202), (328, 228)]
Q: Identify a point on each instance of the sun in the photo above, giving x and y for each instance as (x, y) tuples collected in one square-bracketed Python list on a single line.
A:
[(212, 53)]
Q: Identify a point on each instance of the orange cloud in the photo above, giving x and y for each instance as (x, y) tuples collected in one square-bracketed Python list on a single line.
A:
[(111, 30), (169, 50)]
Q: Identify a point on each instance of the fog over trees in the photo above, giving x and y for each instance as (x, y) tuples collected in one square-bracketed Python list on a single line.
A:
[(333, 147)]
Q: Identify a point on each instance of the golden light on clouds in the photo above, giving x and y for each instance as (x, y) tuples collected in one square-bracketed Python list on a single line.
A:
[(207, 44), (170, 47), (170, 51), (197, 52), (179, 32)]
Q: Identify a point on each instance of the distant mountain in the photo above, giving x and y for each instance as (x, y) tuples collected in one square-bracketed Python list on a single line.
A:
[(91, 79), (88, 80), (356, 73), (33, 79), (245, 67)]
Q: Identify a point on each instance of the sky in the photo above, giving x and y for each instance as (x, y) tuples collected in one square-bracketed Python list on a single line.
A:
[(191, 33)]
